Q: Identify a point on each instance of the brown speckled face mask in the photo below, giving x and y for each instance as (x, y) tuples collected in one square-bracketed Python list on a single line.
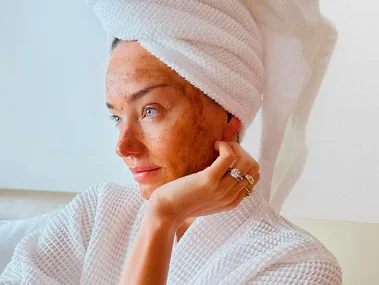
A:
[(169, 125)]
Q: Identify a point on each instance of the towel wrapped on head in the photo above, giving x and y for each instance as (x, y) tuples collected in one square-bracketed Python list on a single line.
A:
[(244, 55)]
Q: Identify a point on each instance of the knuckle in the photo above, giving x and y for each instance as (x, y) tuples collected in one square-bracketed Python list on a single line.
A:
[(257, 176), (230, 157), (210, 181), (206, 180), (246, 162), (253, 170), (234, 144), (257, 166), (219, 194)]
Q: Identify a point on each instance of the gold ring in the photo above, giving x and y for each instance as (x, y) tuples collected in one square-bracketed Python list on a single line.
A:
[(249, 191), (249, 178)]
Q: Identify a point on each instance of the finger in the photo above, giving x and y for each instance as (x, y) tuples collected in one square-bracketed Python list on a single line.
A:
[(228, 201), (241, 152), (242, 185), (236, 201), (244, 165), (256, 176), (251, 187), (238, 149), (233, 192), (226, 158)]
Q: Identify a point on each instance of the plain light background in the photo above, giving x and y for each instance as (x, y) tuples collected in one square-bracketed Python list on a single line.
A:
[(54, 127)]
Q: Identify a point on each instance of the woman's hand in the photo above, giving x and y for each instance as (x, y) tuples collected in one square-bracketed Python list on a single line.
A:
[(209, 191), (205, 192)]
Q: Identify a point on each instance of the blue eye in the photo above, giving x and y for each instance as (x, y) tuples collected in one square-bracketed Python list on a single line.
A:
[(149, 111), (115, 119)]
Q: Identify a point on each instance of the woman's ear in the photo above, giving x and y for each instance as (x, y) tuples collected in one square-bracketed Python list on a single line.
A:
[(231, 128)]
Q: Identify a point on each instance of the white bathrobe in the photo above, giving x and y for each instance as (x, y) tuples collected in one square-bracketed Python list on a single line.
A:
[(90, 239)]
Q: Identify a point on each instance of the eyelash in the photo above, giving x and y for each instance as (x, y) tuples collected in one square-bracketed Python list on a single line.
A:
[(116, 119), (149, 107)]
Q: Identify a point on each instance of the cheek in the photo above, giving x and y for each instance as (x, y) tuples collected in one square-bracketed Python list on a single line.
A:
[(199, 147), (181, 148), (169, 143), (182, 145), (155, 137), (202, 133), (191, 144)]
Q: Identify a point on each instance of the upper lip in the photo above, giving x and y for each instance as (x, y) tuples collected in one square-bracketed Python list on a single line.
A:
[(142, 168)]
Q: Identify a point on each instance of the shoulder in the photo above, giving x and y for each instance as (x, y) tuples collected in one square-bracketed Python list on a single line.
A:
[(285, 247), (292, 242)]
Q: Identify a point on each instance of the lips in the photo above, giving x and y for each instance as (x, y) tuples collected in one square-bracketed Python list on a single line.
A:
[(144, 173), (142, 168)]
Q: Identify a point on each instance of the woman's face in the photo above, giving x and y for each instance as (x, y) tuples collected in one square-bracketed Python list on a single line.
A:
[(164, 122)]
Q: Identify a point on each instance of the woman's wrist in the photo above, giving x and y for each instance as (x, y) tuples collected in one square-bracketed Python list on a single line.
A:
[(150, 257), (162, 214)]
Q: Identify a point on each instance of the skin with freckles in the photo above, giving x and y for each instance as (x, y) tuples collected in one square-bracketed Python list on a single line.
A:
[(172, 126)]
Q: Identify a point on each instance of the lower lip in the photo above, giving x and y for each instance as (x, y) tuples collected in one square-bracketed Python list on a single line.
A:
[(142, 176)]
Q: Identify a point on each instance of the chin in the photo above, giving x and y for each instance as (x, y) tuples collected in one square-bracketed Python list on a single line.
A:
[(147, 191)]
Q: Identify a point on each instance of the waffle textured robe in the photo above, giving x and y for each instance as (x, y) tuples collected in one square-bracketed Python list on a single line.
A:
[(89, 240)]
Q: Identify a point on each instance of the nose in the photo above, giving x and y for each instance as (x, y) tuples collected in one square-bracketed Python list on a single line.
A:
[(128, 143)]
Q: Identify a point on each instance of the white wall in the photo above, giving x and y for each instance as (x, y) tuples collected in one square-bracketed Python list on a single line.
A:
[(55, 135), (55, 132), (340, 180)]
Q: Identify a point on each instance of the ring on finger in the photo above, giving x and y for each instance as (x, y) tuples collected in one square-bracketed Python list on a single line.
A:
[(249, 178), (236, 174), (248, 191)]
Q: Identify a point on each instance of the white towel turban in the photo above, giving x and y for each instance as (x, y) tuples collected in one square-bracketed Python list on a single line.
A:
[(235, 51)]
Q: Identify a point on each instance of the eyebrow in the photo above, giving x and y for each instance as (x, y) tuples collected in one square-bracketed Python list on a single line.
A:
[(139, 94)]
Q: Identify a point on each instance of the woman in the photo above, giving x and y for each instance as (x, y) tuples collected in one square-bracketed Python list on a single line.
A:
[(196, 216)]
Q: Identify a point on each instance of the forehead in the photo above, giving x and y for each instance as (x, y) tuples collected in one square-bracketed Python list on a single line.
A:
[(131, 62)]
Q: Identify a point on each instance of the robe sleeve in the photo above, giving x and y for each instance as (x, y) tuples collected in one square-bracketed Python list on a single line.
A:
[(308, 272), (55, 253)]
